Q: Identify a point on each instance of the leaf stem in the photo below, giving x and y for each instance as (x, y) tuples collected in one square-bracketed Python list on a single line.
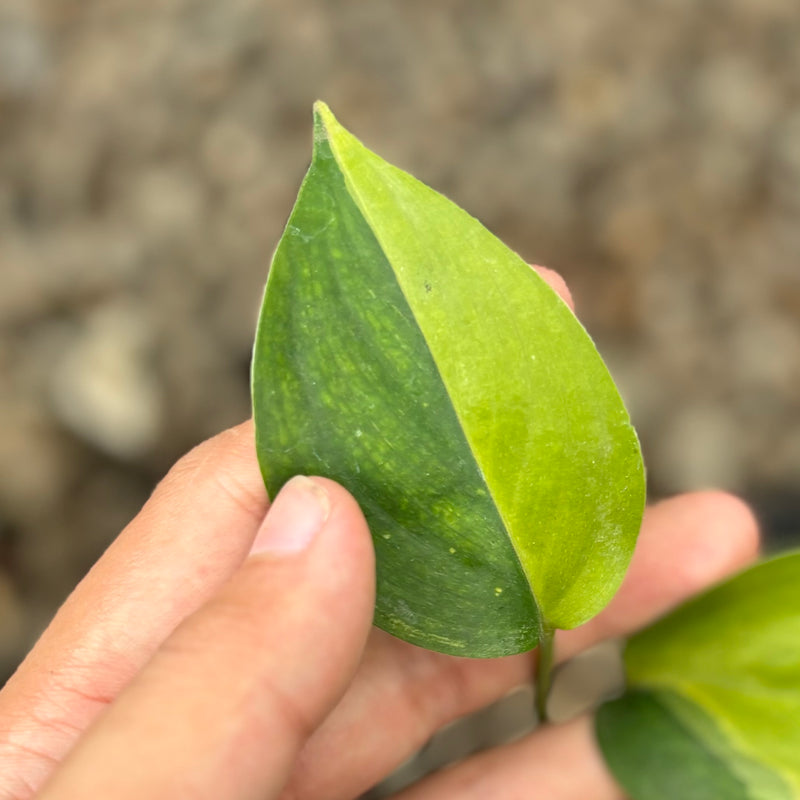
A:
[(544, 670)]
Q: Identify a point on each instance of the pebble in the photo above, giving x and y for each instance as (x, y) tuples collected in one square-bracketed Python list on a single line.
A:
[(104, 389)]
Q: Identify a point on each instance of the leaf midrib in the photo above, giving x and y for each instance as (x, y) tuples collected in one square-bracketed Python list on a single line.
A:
[(364, 209)]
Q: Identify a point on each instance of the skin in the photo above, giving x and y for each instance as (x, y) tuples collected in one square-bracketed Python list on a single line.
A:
[(222, 650)]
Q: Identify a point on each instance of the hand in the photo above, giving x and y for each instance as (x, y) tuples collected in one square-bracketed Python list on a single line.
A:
[(220, 651)]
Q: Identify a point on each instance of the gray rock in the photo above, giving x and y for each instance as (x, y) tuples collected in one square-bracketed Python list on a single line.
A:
[(104, 388)]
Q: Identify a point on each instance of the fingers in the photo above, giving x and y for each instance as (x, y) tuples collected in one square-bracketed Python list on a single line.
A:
[(557, 283), (685, 544), (400, 697), (224, 705), (188, 540), (559, 763)]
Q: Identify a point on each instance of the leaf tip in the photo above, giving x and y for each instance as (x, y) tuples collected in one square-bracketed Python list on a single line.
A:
[(324, 121)]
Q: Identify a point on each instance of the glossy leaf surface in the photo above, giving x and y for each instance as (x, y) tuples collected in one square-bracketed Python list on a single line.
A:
[(405, 352), (722, 673)]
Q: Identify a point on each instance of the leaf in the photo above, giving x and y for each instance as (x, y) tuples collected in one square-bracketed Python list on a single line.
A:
[(714, 694), (405, 352), (643, 741)]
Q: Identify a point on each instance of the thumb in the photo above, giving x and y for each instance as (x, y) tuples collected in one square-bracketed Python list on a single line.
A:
[(223, 707)]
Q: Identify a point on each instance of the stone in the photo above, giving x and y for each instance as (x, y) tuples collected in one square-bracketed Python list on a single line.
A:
[(104, 388)]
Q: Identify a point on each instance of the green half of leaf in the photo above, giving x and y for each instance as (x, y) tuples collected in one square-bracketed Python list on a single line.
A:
[(408, 354), (725, 668)]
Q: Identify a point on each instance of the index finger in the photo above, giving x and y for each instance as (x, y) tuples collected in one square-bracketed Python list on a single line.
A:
[(189, 538)]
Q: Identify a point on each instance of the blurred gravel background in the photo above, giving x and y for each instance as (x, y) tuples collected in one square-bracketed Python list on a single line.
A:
[(150, 153)]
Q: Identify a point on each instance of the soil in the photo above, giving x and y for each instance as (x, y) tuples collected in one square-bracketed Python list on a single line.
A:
[(150, 153)]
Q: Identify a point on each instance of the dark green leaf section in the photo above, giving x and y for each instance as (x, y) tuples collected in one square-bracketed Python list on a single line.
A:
[(344, 386), (655, 756)]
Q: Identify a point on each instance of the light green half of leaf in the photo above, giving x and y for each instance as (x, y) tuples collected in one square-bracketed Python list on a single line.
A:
[(406, 352), (728, 664)]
